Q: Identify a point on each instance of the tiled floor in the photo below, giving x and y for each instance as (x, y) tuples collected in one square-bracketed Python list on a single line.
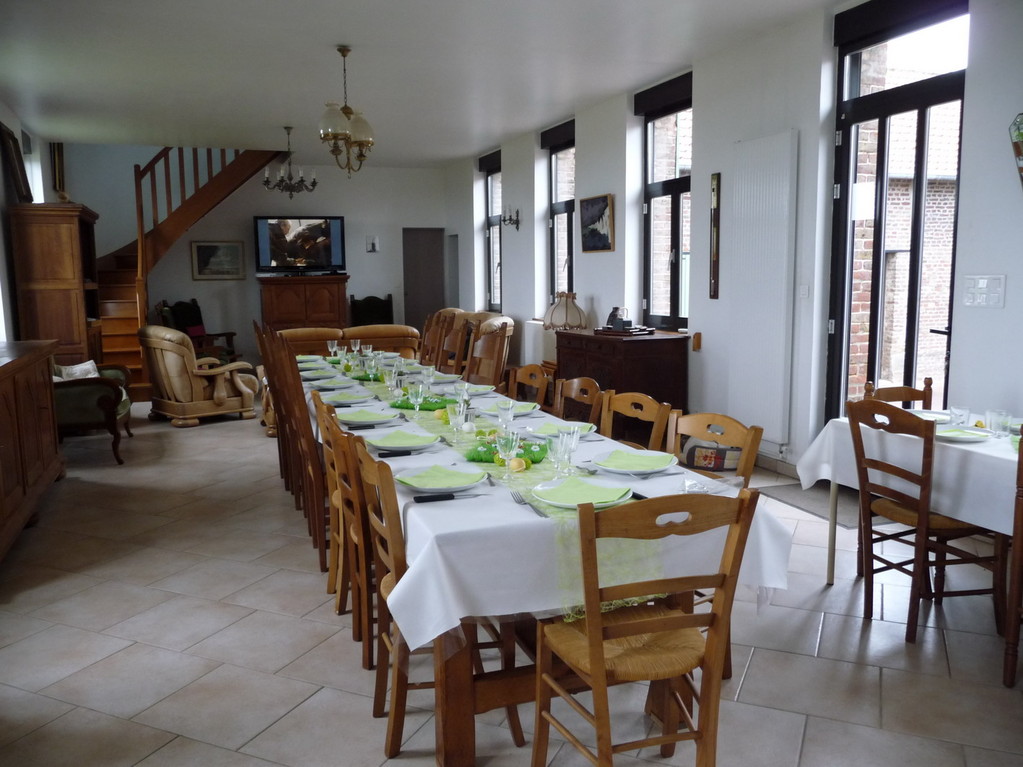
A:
[(170, 612)]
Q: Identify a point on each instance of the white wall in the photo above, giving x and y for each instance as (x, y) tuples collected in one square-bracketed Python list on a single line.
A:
[(985, 359)]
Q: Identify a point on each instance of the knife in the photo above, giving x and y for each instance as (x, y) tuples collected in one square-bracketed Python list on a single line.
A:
[(394, 453), (444, 497)]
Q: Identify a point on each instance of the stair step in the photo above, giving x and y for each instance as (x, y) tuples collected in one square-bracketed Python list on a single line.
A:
[(140, 392), (120, 325), (117, 276), (117, 308), (116, 292), (128, 359)]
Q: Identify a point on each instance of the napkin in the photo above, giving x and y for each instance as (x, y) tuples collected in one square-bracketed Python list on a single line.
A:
[(972, 433), (343, 396), (522, 407), (626, 461), (480, 389), (401, 438), (574, 491), (366, 415), (440, 477), (553, 428)]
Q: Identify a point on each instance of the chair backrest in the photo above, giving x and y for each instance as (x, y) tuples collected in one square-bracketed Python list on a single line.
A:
[(583, 390), (907, 484), (655, 519), (488, 358), (403, 339), (636, 406), (902, 393), (310, 340), (529, 377), (330, 443), (383, 514), (455, 343), (723, 430), (372, 310), (348, 496)]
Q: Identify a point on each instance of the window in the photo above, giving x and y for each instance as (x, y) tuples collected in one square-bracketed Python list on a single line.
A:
[(667, 202), (901, 83), (560, 142), (491, 165)]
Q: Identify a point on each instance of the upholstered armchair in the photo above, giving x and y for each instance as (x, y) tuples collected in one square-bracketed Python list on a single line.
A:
[(186, 389), (97, 402), (310, 340), (403, 339)]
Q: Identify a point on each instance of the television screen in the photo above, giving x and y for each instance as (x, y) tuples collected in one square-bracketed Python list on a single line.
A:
[(300, 245)]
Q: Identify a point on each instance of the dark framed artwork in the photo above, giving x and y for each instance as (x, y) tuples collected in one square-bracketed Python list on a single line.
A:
[(218, 261), (597, 223), (57, 166), (715, 233), (15, 164)]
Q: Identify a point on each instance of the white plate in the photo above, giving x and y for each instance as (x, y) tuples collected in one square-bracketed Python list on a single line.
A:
[(339, 383), (388, 355), (590, 480), (316, 375), (384, 418), (446, 378), (963, 434), (633, 472), (355, 400), (520, 410), (478, 390), (938, 416), (420, 489), (373, 442)]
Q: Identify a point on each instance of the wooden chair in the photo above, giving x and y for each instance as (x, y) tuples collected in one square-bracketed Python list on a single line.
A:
[(186, 316), (902, 494), (338, 578), (268, 418), (390, 566), (1015, 612), (429, 349), (529, 383), (98, 402), (487, 359), (904, 394), (584, 391), (656, 640), (638, 407), (350, 546), (722, 430), (456, 341), (372, 310)]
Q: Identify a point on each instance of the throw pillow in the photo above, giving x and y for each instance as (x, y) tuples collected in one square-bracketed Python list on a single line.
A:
[(71, 372), (700, 454)]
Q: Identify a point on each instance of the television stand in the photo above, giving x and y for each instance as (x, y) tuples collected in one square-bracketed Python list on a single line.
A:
[(305, 301)]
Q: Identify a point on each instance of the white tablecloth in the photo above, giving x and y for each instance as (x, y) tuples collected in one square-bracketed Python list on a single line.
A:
[(491, 556), (972, 481)]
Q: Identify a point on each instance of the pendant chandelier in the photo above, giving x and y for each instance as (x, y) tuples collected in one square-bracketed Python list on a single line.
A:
[(285, 181), (344, 129)]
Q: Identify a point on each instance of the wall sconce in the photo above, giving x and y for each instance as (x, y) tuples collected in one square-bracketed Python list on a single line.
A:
[(508, 220)]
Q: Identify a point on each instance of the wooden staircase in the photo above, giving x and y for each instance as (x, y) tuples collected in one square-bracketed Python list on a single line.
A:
[(173, 191)]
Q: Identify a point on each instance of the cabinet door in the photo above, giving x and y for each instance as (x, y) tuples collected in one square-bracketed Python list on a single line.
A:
[(34, 395), (325, 305), (12, 485), (284, 305)]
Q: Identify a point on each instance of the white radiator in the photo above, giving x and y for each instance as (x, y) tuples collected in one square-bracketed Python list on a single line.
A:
[(758, 226)]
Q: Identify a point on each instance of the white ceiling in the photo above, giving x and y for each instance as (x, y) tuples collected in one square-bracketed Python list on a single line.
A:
[(437, 79)]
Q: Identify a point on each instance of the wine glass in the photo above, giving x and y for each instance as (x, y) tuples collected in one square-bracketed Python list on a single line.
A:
[(332, 346), (507, 444), (505, 412), (367, 348), (416, 394), (354, 343)]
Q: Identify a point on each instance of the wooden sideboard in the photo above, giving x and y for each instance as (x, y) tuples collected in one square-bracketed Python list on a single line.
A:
[(30, 459), (54, 255), (305, 302), (656, 364)]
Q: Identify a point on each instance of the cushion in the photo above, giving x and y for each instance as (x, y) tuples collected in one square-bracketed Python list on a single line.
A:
[(71, 372), (700, 454)]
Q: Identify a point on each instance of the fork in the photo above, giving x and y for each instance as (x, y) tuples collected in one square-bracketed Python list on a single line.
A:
[(520, 499)]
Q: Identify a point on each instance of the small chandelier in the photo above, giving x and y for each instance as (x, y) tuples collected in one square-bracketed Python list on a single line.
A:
[(345, 129), (564, 313), (285, 181)]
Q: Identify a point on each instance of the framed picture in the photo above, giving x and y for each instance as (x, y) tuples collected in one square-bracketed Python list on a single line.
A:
[(15, 164), (597, 223), (218, 261)]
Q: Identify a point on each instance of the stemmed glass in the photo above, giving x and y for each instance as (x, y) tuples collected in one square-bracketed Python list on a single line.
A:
[(507, 444), (354, 343), (332, 346), (428, 373), (416, 394), (367, 348), (505, 412)]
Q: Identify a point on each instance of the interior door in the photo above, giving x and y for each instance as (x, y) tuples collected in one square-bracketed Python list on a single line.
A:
[(423, 268)]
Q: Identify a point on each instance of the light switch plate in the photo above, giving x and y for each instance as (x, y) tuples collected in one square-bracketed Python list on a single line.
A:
[(984, 290)]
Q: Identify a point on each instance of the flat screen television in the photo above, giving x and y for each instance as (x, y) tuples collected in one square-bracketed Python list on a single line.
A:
[(307, 245)]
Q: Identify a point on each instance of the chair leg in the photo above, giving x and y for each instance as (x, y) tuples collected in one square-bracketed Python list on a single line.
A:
[(399, 697), (1012, 615), (541, 726), (865, 564), (508, 662), (999, 581), (920, 573)]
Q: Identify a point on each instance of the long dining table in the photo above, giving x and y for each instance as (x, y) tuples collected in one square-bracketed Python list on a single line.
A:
[(484, 554)]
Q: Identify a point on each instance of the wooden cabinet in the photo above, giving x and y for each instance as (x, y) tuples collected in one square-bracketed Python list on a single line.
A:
[(30, 459), (305, 302), (54, 255), (655, 364)]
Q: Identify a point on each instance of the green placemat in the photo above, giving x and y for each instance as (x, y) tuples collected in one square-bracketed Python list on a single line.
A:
[(484, 452), (429, 403)]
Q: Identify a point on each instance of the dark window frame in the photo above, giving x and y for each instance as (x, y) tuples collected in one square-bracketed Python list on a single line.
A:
[(490, 165)]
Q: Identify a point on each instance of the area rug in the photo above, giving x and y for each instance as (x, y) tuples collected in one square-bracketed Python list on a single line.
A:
[(815, 500)]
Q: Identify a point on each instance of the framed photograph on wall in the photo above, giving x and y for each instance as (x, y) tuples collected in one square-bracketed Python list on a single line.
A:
[(218, 261), (15, 164), (597, 223)]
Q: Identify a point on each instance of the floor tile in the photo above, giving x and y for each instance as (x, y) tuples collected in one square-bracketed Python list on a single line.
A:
[(880, 643), (214, 578), (14, 627), (102, 605), (246, 702), (24, 588), (979, 757), (184, 751), (164, 625), (83, 738), (24, 712), (776, 628), (848, 692), (52, 654), (263, 641), (286, 591), (840, 744), (130, 681)]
